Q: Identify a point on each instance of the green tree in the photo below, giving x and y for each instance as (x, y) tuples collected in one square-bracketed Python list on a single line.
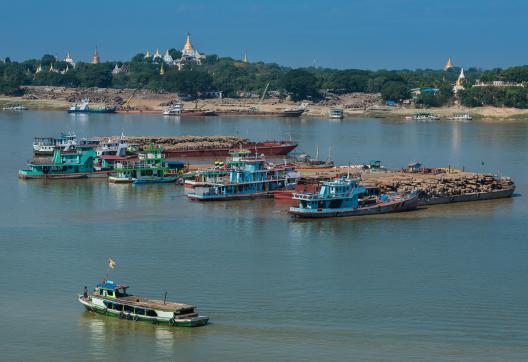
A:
[(301, 84)]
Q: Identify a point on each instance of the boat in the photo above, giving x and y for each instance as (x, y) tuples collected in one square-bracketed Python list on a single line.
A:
[(110, 151), (149, 168), (266, 148), (460, 117), (423, 116), (173, 110), (15, 107), (84, 107), (304, 161), (114, 300), (335, 113), (340, 197), (74, 163), (43, 146), (293, 111), (249, 177)]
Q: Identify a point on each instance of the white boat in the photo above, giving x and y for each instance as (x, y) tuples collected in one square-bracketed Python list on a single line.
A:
[(113, 300), (336, 113), (46, 145), (423, 116), (16, 107), (460, 117), (173, 110)]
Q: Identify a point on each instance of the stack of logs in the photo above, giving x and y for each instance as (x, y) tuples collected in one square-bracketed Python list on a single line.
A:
[(443, 185), (189, 142)]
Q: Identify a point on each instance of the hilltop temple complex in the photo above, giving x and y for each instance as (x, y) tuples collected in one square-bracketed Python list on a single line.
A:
[(189, 55)]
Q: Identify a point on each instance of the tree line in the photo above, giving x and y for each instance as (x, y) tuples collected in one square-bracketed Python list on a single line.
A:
[(233, 76)]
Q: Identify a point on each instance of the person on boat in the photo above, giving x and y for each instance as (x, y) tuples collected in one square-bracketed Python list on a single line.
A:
[(85, 294)]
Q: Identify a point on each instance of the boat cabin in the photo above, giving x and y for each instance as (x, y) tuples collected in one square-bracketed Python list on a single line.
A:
[(110, 290), (338, 194)]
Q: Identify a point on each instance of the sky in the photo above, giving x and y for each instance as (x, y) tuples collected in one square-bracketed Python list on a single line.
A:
[(361, 34)]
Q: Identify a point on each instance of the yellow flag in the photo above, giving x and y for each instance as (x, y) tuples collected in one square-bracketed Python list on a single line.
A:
[(111, 263)]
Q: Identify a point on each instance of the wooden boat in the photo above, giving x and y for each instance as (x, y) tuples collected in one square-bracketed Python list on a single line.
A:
[(113, 300)]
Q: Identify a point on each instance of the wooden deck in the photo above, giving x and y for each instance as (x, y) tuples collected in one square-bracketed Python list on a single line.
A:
[(151, 303)]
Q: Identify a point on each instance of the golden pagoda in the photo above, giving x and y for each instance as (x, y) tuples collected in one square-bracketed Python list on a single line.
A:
[(95, 57), (448, 65), (147, 54), (188, 45), (245, 60), (162, 70)]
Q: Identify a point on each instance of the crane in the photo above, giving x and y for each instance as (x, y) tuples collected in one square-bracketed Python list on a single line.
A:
[(126, 105), (264, 93)]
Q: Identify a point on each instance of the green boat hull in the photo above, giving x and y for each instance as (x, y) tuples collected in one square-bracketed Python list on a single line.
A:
[(175, 323)]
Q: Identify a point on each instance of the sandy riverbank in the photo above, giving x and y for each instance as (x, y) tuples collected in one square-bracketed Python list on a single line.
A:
[(354, 104)]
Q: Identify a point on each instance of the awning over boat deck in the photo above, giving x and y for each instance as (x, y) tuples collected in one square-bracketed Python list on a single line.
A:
[(110, 285)]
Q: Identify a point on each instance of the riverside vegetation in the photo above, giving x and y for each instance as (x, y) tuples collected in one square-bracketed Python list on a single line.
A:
[(233, 76)]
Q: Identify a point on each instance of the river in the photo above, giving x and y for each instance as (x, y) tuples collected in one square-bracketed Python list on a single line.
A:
[(442, 283)]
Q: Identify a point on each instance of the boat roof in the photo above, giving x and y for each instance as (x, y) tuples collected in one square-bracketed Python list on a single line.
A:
[(116, 157), (110, 285)]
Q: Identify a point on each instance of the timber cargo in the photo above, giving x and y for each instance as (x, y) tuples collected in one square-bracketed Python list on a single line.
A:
[(213, 146)]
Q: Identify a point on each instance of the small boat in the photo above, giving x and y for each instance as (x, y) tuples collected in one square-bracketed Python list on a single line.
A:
[(173, 110), (43, 146), (341, 198), (84, 107), (293, 111), (114, 300), (460, 117), (423, 116), (336, 113), (15, 107), (249, 177)]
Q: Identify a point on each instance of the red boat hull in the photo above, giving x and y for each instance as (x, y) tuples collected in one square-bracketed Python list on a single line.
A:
[(266, 148)]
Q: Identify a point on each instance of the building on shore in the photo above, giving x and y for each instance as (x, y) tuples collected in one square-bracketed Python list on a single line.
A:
[(189, 54), (95, 58), (498, 84)]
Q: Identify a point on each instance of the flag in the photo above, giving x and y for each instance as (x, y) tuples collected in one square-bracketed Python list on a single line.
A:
[(111, 263)]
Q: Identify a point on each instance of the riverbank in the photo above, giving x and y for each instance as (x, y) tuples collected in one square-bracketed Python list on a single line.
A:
[(353, 104)]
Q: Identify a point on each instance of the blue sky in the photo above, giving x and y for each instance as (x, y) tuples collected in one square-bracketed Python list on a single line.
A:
[(369, 34)]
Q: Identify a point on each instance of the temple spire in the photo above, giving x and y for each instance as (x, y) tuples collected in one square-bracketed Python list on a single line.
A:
[(245, 60), (188, 44), (95, 57), (449, 64), (162, 69)]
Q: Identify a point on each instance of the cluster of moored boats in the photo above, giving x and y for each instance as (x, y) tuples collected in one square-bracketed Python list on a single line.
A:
[(245, 175)]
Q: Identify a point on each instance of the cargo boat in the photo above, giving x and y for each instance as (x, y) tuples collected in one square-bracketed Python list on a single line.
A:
[(113, 300), (84, 107), (76, 163), (249, 178), (150, 167), (341, 198), (266, 148)]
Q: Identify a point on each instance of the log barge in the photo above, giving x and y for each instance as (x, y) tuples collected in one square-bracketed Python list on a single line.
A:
[(212, 146)]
